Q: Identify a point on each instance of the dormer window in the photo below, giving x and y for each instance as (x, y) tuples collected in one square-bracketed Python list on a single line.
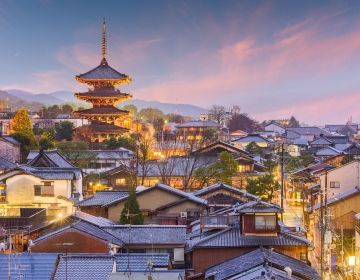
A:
[(265, 222)]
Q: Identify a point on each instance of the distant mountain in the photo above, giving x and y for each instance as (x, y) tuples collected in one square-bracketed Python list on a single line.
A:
[(44, 98), (14, 102), (61, 97)]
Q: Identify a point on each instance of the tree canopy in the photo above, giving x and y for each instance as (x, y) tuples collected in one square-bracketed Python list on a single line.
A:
[(243, 122), (264, 186), (64, 131), (131, 213)]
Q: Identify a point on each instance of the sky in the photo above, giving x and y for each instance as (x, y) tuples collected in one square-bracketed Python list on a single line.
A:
[(274, 59)]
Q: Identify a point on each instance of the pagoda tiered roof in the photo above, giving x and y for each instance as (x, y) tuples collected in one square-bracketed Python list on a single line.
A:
[(103, 73), (96, 94), (102, 111), (100, 127)]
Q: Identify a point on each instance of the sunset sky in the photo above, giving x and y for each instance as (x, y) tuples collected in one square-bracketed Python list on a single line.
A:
[(272, 58)]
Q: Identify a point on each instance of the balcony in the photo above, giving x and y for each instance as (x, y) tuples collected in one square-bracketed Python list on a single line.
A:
[(217, 221), (28, 217)]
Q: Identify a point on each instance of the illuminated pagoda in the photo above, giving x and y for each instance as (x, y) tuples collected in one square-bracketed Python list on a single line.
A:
[(105, 120)]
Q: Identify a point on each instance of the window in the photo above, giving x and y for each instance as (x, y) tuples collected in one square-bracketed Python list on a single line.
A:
[(120, 181), (265, 222), (45, 189), (334, 184)]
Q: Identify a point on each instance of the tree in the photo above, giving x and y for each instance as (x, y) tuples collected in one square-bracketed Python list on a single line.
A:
[(270, 165), (131, 213), (131, 108), (243, 122), (143, 151), (211, 135), (222, 170), (46, 141), (23, 133), (64, 131), (293, 122), (120, 142), (264, 186), (254, 149), (76, 152), (217, 113), (67, 109), (175, 118), (150, 114)]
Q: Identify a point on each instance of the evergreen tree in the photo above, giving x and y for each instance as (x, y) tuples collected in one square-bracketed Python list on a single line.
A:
[(64, 131), (264, 186), (131, 213)]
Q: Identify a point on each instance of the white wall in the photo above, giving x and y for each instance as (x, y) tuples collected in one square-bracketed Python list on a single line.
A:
[(347, 175)]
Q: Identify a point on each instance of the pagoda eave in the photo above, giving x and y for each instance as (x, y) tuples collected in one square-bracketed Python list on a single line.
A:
[(113, 82)]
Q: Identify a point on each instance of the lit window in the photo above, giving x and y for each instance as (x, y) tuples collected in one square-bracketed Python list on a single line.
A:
[(120, 181)]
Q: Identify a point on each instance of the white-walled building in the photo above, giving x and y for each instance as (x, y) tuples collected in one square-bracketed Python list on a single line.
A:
[(342, 178), (48, 181)]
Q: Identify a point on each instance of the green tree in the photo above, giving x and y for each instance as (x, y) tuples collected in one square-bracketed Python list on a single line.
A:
[(46, 141), (121, 142), (222, 170), (64, 131), (131, 213), (254, 149), (76, 152), (264, 187), (150, 114), (67, 109), (211, 135), (270, 165)]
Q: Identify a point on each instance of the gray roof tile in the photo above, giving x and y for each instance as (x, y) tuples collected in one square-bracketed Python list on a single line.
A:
[(139, 262), (101, 198), (37, 266), (149, 234), (258, 257), (231, 237), (84, 267)]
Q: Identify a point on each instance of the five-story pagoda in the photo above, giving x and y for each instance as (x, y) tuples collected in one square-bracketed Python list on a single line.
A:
[(105, 120)]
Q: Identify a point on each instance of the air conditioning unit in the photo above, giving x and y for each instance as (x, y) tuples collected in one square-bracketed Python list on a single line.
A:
[(183, 214)]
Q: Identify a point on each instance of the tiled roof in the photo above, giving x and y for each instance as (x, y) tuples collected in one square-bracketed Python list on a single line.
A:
[(87, 228), (308, 130), (84, 267), (37, 266), (101, 198), (5, 164), (165, 188), (53, 156), (10, 140), (257, 206), (52, 173), (328, 151), (248, 261), (339, 197), (102, 93), (139, 262), (252, 138), (102, 72), (199, 124), (218, 186), (231, 237), (95, 220), (96, 127), (102, 111), (149, 234)]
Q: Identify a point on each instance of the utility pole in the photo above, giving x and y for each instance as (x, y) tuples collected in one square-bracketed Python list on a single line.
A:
[(282, 182), (321, 224)]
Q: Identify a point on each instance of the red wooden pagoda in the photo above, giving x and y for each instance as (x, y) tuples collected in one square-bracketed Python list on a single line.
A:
[(105, 120)]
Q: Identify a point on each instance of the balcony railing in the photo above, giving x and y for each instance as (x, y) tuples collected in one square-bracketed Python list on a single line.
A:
[(28, 217), (217, 221)]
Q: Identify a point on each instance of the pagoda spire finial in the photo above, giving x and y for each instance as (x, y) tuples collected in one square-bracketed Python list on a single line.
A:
[(103, 42)]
